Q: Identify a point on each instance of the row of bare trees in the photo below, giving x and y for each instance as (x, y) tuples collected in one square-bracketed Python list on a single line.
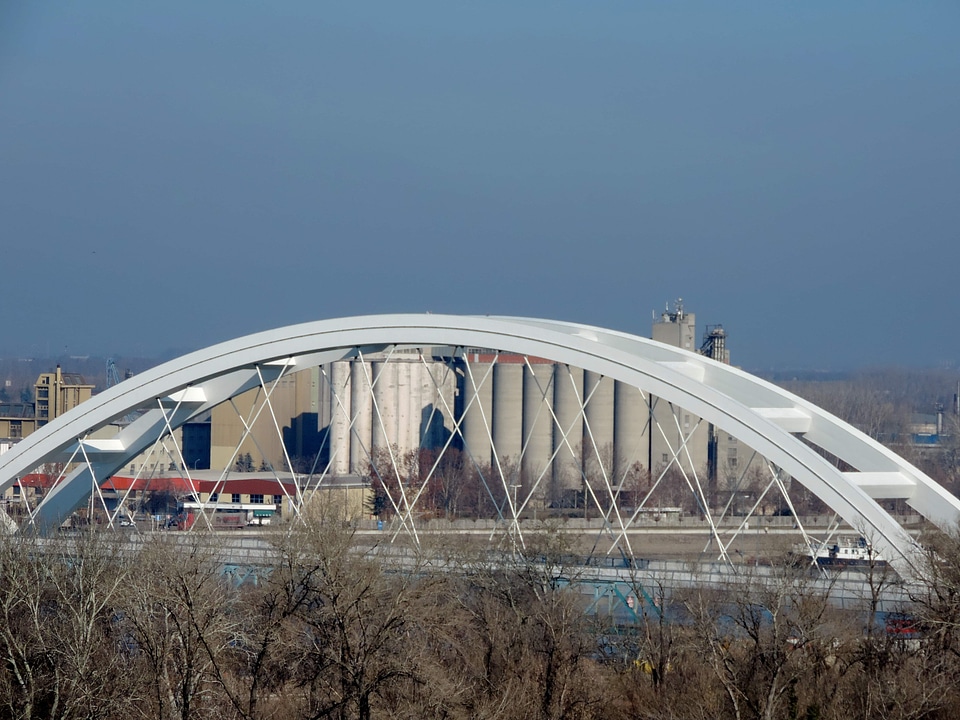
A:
[(884, 402), (450, 485), (92, 628)]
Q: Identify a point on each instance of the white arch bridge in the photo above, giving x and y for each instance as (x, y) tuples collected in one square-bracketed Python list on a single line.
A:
[(796, 446)]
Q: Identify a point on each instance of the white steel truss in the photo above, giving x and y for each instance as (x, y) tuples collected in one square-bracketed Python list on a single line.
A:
[(783, 429)]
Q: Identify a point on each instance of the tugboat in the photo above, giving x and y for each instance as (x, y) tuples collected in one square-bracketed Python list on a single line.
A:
[(846, 552)]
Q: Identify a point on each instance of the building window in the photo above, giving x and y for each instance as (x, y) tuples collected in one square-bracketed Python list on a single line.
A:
[(16, 491), (732, 462), (256, 499), (277, 499), (235, 498), (16, 429), (664, 458), (214, 497)]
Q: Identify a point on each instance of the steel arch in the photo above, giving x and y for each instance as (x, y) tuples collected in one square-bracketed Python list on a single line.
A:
[(767, 418)]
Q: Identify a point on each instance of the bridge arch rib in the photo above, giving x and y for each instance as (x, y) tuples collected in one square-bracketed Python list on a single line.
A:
[(772, 421)]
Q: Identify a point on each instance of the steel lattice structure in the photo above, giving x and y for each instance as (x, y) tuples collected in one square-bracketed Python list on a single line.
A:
[(792, 435)]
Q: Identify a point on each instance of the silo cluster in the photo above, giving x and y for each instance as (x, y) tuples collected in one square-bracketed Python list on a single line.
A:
[(378, 406), (549, 428)]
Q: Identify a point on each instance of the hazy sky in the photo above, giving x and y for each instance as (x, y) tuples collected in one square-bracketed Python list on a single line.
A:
[(174, 174)]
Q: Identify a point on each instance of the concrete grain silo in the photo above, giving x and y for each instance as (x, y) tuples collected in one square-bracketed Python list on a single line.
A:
[(385, 406), (408, 410), (340, 418), (438, 391), (598, 425), (508, 411), (537, 428), (360, 412), (631, 437), (477, 407), (421, 394), (568, 432)]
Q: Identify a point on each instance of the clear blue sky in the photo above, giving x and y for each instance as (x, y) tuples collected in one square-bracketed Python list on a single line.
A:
[(177, 173)]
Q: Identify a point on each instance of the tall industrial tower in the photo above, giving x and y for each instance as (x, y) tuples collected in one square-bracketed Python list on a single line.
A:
[(681, 440)]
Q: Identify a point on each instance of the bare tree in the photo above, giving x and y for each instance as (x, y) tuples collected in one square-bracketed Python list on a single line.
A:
[(177, 612), (757, 634), (527, 643), (360, 621), (63, 649)]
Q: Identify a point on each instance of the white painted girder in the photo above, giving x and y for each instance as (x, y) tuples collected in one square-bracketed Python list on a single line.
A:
[(797, 415), (108, 456), (759, 413), (883, 485), (791, 419)]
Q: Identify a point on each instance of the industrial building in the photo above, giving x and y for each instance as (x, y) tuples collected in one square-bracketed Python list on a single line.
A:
[(548, 427), (55, 393)]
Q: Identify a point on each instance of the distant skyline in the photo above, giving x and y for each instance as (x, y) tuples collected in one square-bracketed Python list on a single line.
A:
[(175, 174)]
